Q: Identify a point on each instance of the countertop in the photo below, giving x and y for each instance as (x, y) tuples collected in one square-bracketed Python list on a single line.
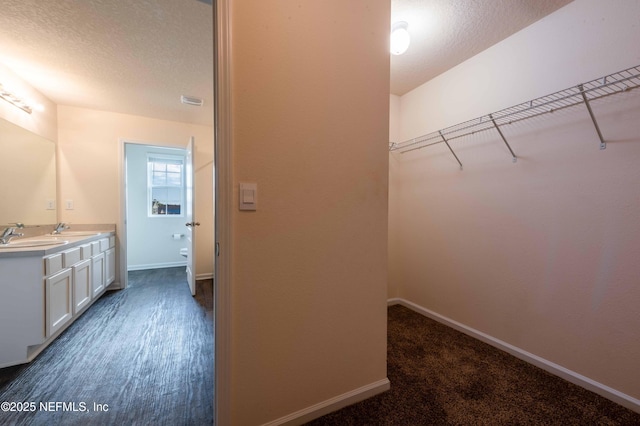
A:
[(45, 250)]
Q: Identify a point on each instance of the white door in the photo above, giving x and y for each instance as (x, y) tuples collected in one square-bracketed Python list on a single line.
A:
[(189, 216)]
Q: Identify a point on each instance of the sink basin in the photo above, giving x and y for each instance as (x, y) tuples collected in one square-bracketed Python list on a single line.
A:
[(76, 233), (32, 243)]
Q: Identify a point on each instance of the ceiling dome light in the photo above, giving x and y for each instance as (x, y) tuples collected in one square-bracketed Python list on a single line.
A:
[(400, 38)]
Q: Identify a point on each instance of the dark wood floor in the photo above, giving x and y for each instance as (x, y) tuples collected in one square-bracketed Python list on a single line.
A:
[(144, 354)]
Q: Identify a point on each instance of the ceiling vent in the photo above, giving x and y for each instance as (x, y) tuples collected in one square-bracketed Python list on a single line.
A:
[(190, 100)]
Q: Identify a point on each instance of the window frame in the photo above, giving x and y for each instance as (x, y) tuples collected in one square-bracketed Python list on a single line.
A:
[(167, 159)]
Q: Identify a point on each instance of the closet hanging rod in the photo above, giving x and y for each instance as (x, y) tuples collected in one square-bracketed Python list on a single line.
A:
[(621, 81)]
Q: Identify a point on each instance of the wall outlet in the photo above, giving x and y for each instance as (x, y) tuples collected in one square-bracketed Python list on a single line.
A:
[(51, 205), (69, 204)]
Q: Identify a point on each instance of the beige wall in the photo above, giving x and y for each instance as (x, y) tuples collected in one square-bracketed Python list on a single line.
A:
[(541, 254), (310, 110), (394, 136), (90, 169)]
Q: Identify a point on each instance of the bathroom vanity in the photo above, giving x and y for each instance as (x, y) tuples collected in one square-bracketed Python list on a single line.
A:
[(45, 287)]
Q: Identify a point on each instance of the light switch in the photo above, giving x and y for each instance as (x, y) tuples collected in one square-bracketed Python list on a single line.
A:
[(248, 196)]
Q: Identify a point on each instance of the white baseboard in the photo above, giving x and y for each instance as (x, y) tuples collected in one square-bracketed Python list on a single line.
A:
[(553, 368), (155, 266), (325, 407), (206, 276)]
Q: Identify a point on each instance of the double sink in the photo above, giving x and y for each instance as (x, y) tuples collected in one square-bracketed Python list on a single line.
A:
[(47, 240)]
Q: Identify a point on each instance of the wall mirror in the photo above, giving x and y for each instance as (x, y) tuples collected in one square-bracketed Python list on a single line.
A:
[(27, 177)]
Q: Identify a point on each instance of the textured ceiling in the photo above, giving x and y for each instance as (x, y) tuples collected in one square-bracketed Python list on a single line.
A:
[(138, 57), (445, 33), (133, 57)]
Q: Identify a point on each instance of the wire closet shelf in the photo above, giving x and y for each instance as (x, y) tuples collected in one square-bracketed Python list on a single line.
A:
[(583, 93)]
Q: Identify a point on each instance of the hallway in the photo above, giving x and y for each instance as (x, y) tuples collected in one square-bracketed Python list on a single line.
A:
[(143, 355)]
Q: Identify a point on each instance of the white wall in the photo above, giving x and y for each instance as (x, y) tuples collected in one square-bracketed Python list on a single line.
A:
[(541, 254), (149, 239), (310, 113)]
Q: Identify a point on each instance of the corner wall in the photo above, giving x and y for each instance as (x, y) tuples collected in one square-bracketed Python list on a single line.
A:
[(540, 254), (310, 112)]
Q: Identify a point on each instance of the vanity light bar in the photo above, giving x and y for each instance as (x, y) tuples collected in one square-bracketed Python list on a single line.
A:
[(14, 100)]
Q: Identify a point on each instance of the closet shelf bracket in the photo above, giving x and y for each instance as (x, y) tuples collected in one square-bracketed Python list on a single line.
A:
[(603, 144), (450, 149), (586, 93), (513, 156)]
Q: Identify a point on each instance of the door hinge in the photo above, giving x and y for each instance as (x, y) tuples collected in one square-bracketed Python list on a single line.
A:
[(217, 249)]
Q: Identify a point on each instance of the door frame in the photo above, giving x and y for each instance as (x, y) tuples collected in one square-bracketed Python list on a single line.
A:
[(190, 213), (223, 193), (122, 220)]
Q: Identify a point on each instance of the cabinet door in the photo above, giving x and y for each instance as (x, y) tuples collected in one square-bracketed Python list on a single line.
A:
[(110, 266), (98, 268), (58, 305), (81, 285)]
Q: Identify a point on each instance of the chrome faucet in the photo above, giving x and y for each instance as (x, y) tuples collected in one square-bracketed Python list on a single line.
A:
[(60, 227), (8, 234)]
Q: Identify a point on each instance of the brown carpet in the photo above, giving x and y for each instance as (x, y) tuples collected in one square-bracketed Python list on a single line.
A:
[(440, 376)]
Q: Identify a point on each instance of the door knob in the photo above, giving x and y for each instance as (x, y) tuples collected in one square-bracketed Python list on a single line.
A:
[(192, 224)]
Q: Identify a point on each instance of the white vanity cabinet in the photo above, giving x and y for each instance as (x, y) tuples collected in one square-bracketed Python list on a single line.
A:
[(58, 289), (110, 262), (108, 247), (82, 279), (82, 285), (97, 283), (68, 286), (104, 266), (43, 290), (22, 314), (58, 301)]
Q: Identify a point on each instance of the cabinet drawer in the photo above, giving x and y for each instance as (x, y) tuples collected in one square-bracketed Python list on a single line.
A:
[(104, 244), (95, 248), (71, 257), (112, 242), (52, 264), (85, 251)]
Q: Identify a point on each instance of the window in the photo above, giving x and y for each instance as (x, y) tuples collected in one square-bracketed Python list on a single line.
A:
[(165, 185)]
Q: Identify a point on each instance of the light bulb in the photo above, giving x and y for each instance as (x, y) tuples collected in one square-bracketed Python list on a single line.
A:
[(400, 38)]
